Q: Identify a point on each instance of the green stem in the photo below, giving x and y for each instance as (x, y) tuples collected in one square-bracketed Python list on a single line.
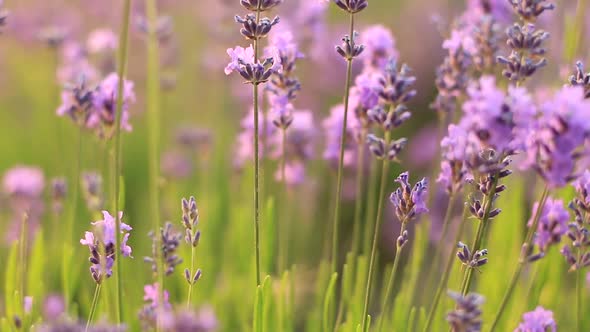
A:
[(371, 197), (521, 260), (94, 305), (376, 227), (256, 163), (282, 231), (116, 167), (579, 294), (481, 230), (578, 29), (22, 256), (191, 283), (336, 222), (442, 285), (391, 281), (356, 228)]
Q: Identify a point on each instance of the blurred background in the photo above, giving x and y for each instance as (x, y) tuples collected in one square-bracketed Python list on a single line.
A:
[(202, 111)]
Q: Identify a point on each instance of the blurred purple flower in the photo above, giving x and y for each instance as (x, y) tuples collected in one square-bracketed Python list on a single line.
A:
[(244, 148), (28, 304), (560, 130), (151, 296), (553, 223), (379, 47), (538, 320), (102, 40), (105, 102), (332, 126), (24, 181), (53, 307)]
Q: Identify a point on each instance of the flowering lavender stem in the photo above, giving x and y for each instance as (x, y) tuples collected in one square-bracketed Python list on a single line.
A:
[(376, 226), (93, 306), (356, 228), (153, 109), (442, 285), (336, 223), (256, 161), (116, 166), (480, 234), (522, 259), (390, 282)]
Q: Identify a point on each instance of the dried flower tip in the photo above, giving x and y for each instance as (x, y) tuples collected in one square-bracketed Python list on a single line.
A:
[(530, 10), (580, 78), (352, 6), (252, 30), (349, 49)]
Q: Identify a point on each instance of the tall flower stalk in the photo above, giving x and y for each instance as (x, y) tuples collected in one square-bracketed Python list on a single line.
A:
[(116, 163), (247, 63), (349, 50), (395, 89), (409, 203)]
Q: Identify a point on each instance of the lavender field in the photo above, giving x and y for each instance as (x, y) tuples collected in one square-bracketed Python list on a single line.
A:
[(294, 165)]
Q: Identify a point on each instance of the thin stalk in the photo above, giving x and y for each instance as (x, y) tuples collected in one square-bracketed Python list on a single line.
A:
[(153, 110), (66, 257), (446, 221), (522, 259), (94, 305), (480, 235), (371, 197), (442, 285), (384, 171), (22, 259), (191, 283), (256, 162), (579, 294), (360, 162), (116, 167), (336, 222), (391, 281), (282, 233), (578, 30)]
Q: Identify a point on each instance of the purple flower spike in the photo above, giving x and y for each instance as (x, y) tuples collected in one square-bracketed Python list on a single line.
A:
[(539, 320), (409, 202), (242, 61), (379, 47)]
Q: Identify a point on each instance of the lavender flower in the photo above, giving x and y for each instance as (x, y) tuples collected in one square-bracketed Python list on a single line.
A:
[(379, 47), (259, 5), (245, 145), (530, 10), (332, 127), (190, 221), (553, 223), (176, 164), (352, 6), (298, 147), (102, 40), (101, 244), (202, 321), (3, 16), (74, 64), (466, 317), (164, 248), (53, 307), (560, 130), (472, 260), (153, 311), (576, 253), (579, 78), (92, 191), (455, 150), (538, 320), (527, 52), (409, 202), (242, 61), (24, 181), (59, 190), (105, 103)]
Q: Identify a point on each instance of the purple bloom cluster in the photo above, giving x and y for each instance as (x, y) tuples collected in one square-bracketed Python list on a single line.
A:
[(409, 202), (101, 244), (560, 130), (92, 190), (95, 109), (467, 314), (553, 223), (576, 253), (538, 320), (580, 78)]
